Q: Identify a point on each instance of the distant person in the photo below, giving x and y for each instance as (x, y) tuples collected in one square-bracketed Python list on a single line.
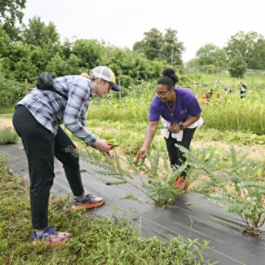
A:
[(208, 95), (37, 120), (243, 89), (227, 90), (181, 114)]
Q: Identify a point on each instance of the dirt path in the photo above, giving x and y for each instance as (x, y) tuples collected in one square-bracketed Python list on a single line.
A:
[(5, 123), (255, 151)]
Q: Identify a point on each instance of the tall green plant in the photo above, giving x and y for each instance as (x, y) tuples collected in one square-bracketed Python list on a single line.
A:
[(238, 191), (161, 192)]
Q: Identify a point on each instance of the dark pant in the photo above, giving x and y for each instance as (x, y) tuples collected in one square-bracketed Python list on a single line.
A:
[(41, 146), (176, 157)]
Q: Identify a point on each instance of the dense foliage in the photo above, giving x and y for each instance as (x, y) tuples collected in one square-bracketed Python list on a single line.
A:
[(232, 185), (10, 14), (40, 50), (237, 67), (250, 45), (209, 54), (167, 47)]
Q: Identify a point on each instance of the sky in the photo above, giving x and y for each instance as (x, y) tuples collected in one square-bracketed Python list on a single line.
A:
[(123, 22)]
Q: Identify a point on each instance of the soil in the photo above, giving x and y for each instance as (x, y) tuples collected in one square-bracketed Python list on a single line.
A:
[(4, 123), (255, 151), (248, 233)]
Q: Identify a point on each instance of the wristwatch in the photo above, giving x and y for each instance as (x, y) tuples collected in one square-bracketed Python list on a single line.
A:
[(181, 126)]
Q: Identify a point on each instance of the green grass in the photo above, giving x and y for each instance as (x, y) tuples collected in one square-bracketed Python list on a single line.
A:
[(224, 113), (250, 79), (6, 111), (93, 241), (6, 115), (8, 136)]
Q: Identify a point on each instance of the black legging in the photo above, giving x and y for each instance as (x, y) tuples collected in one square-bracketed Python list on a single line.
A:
[(176, 157), (41, 146)]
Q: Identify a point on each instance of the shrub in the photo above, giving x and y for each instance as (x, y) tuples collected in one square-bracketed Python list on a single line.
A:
[(10, 92), (236, 183), (8, 136), (237, 67)]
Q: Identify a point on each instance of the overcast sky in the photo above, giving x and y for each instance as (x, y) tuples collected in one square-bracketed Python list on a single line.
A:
[(123, 22)]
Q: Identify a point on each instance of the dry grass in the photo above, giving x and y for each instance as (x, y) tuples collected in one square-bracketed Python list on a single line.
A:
[(4, 123)]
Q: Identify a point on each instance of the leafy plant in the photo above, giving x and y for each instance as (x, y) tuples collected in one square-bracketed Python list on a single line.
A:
[(8, 136), (162, 192), (237, 189)]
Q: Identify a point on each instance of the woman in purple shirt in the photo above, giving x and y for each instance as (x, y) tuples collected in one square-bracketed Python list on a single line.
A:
[(180, 110)]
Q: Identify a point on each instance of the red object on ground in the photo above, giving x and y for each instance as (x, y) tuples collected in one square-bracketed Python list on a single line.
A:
[(179, 184)]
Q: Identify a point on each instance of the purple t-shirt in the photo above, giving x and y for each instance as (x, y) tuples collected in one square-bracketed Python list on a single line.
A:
[(186, 106)]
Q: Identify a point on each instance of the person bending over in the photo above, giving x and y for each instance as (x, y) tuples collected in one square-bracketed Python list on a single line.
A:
[(37, 120), (180, 111)]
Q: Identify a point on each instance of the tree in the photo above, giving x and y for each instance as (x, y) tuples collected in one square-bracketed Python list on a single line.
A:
[(25, 69), (38, 34), (210, 54), (57, 66), (89, 51), (10, 13), (16, 52), (66, 48), (251, 46), (4, 41), (155, 45), (151, 44), (72, 65), (172, 49), (237, 66), (193, 62)]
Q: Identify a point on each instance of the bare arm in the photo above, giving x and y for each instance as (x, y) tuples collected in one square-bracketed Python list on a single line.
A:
[(191, 120), (149, 135)]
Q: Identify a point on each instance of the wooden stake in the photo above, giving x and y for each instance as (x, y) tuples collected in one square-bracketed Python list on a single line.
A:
[(27, 86), (120, 91)]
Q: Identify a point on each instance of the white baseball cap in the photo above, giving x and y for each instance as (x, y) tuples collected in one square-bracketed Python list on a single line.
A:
[(106, 74)]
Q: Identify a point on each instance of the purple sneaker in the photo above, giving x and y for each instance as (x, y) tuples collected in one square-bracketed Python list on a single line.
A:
[(50, 237), (89, 202)]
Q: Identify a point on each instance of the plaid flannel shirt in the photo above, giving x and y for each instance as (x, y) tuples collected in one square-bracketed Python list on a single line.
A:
[(51, 110)]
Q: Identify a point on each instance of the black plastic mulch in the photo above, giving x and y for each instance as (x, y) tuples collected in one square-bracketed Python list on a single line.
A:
[(192, 215)]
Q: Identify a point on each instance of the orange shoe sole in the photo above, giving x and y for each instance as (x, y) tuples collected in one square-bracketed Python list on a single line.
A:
[(35, 243), (84, 206)]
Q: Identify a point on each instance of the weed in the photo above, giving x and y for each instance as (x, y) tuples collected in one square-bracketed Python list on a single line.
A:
[(237, 188), (8, 136)]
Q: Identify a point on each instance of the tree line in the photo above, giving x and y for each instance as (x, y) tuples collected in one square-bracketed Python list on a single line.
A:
[(27, 50)]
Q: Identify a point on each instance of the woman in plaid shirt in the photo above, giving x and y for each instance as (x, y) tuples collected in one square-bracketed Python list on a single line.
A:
[(37, 120)]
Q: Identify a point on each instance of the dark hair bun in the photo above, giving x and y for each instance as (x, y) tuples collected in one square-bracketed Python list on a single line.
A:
[(170, 72)]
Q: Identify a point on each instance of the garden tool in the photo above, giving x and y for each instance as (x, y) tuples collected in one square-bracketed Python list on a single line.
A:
[(111, 146)]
